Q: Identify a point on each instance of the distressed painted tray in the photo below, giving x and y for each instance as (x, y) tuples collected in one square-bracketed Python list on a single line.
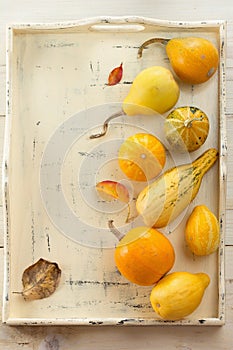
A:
[(57, 97)]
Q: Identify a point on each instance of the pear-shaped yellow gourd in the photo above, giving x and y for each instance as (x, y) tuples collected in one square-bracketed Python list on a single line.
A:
[(178, 294), (153, 90), (193, 59), (202, 231)]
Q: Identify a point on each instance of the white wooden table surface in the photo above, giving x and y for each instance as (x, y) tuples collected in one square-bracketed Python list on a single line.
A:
[(183, 338)]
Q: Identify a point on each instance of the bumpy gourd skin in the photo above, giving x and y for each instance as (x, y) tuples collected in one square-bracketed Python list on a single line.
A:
[(178, 294), (194, 60), (202, 231), (154, 90)]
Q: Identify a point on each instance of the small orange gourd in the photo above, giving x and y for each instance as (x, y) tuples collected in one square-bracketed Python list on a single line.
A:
[(141, 157), (193, 59), (144, 255)]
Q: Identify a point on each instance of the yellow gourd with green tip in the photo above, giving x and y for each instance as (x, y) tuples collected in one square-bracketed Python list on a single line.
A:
[(178, 294)]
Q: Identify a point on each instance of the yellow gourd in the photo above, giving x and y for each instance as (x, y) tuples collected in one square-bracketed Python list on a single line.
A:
[(154, 90), (178, 294), (164, 199), (186, 128), (202, 231)]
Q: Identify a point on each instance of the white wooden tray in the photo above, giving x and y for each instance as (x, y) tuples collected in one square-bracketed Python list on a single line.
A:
[(57, 96)]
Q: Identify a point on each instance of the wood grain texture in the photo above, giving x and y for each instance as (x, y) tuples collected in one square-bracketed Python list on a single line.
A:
[(193, 338)]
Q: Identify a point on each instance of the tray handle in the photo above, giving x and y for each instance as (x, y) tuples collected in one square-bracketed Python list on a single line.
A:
[(114, 27)]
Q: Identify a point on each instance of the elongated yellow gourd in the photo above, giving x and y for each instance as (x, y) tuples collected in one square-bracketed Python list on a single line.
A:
[(164, 199)]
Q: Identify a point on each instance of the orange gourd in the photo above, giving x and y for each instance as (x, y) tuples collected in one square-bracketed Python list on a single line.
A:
[(144, 255), (193, 59), (141, 157)]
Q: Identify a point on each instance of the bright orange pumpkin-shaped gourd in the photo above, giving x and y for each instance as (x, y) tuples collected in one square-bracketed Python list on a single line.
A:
[(144, 255), (141, 157), (193, 59)]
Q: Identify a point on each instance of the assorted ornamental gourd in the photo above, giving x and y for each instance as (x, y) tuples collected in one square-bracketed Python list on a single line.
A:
[(154, 90), (141, 157), (144, 255), (178, 294), (202, 231), (186, 128), (162, 201), (193, 59)]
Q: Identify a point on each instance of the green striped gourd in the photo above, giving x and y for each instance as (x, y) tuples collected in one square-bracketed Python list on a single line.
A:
[(186, 128), (163, 200)]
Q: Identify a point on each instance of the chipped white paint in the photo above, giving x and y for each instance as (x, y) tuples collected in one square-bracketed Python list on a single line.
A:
[(55, 71)]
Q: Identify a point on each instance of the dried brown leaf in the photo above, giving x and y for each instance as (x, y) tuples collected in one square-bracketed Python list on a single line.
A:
[(115, 76), (40, 280)]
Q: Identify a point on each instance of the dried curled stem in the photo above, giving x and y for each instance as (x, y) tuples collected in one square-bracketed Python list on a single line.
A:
[(114, 230), (105, 125), (149, 42), (188, 123)]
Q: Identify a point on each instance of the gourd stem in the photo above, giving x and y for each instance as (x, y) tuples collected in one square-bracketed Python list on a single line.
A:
[(128, 216), (149, 42), (105, 125), (188, 123), (114, 230)]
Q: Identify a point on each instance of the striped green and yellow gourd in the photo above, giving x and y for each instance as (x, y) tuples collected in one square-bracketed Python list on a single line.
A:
[(163, 200)]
